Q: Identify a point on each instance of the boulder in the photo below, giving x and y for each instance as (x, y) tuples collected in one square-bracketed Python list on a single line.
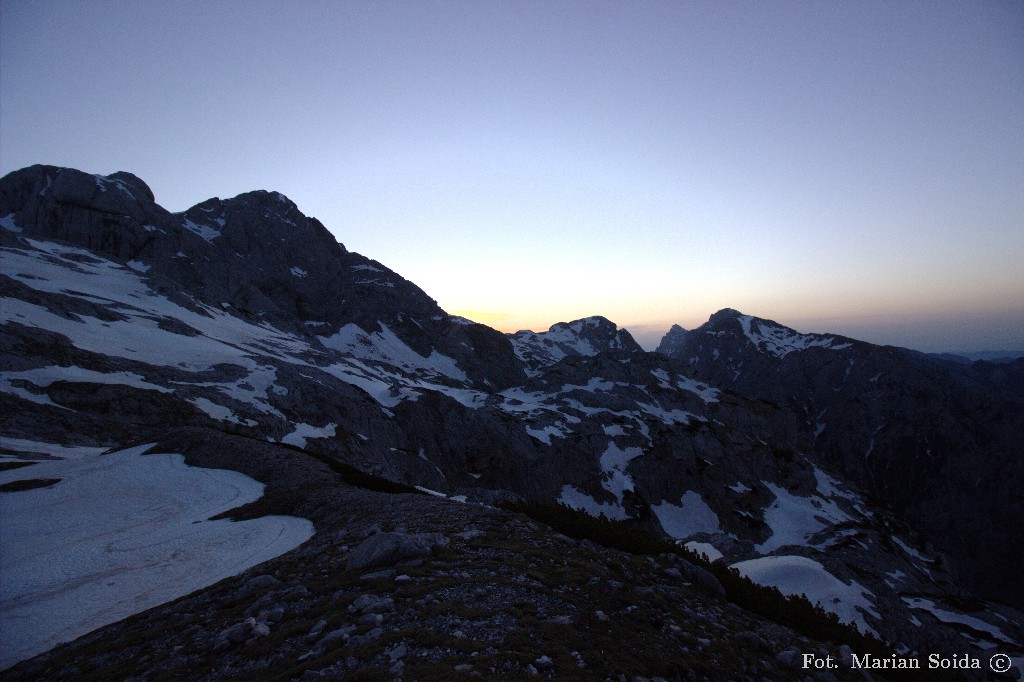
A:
[(701, 578), (387, 549)]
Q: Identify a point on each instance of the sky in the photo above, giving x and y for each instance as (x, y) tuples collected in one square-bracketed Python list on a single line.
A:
[(845, 167)]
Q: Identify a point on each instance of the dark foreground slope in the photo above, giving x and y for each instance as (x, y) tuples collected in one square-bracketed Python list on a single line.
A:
[(487, 594)]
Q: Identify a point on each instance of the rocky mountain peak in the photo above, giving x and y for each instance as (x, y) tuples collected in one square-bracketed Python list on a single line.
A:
[(887, 418), (672, 341), (130, 183), (724, 314), (94, 211), (269, 205), (587, 336), (765, 336), (256, 253), (256, 221), (599, 330)]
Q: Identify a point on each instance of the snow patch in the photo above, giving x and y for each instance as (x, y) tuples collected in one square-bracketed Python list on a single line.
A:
[(7, 222), (922, 561), (705, 392), (428, 491), (386, 346), (254, 389), (119, 534), (205, 231), (222, 337), (376, 384), (102, 182), (544, 435), (668, 416), (220, 412), (575, 499), (45, 376), (793, 519), (910, 550), (33, 447), (705, 548), (303, 432), (614, 462), (957, 618), (894, 578), (691, 516), (828, 487), (800, 575), (781, 341)]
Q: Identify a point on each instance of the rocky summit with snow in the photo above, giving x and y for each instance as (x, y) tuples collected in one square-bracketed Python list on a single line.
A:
[(939, 442), (589, 336), (231, 448)]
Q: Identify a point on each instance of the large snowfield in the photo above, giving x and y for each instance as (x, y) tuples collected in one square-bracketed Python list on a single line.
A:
[(119, 534)]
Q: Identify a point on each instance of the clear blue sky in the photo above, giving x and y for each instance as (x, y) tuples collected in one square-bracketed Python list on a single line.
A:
[(855, 167)]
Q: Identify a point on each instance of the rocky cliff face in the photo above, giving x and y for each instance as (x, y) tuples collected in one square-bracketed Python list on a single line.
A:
[(243, 317), (256, 253), (672, 341), (938, 441)]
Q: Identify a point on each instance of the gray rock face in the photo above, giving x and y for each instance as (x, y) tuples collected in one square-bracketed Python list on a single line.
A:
[(105, 214), (673, 341), (387, 549), (702, 578), (257, 253), (938, 441)]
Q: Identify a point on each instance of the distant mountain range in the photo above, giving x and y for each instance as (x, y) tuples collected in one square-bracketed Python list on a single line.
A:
[(882, 482), (996, 356)]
